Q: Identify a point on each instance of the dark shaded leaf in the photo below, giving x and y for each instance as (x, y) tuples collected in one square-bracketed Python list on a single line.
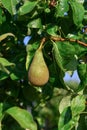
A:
[(82, 72), (3, 75)]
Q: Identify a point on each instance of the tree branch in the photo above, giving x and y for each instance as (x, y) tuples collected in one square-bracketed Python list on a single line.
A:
[(66, 39)]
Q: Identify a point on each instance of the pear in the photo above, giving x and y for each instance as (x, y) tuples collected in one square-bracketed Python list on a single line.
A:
[(38, 73)]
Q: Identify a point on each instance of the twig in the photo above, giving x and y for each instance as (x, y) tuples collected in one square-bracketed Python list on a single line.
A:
[(82, 43), (66, 39)]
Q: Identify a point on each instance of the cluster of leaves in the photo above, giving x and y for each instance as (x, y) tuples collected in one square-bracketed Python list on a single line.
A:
[(55, 106)]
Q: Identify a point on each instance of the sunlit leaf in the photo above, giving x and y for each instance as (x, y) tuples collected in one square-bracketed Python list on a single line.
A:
[(65, 102), (5, 62), (10, 5), (36, 23), (4, 69), (62, 8), (13, 76), (4, 72), (23, 117), (3, 36), (81, 1), (77, 105), (27, 7), (1, 111)]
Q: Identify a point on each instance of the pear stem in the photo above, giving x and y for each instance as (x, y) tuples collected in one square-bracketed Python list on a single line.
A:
[(42, 42)]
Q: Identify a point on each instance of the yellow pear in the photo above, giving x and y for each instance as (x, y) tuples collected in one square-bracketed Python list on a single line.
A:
[(38, 73)]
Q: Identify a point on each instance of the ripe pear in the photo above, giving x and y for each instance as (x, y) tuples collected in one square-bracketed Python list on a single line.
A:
[(38, 73)]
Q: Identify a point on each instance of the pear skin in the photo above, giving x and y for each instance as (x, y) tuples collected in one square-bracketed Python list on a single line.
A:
[(38, 73)]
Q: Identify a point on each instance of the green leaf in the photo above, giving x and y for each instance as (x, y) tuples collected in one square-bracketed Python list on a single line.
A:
[(71, 64), (2, 17), (65, 102), (82, 72), (27, 7), (58, 65), (4, 72), (57, 56), (52, 30), (18, 73), (67, 55), (61, 8), (14, 76), (73, 36), (10, 5), (81, 1), (77, 105), (68, 119), (4, 69), (70, 115), (23, 117), (29, 56), (79, 50), (36, 23), (78, 12), (66, 49), (65, 122), (1, 111), (5, 62), (71, 123), (3, 75), (67, 52), (1, 115)]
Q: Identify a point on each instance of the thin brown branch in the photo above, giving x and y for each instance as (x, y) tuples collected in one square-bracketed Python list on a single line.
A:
[(82, 43), (65, 39)]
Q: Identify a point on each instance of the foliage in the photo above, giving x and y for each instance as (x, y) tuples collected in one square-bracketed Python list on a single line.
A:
[(56, 105)]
